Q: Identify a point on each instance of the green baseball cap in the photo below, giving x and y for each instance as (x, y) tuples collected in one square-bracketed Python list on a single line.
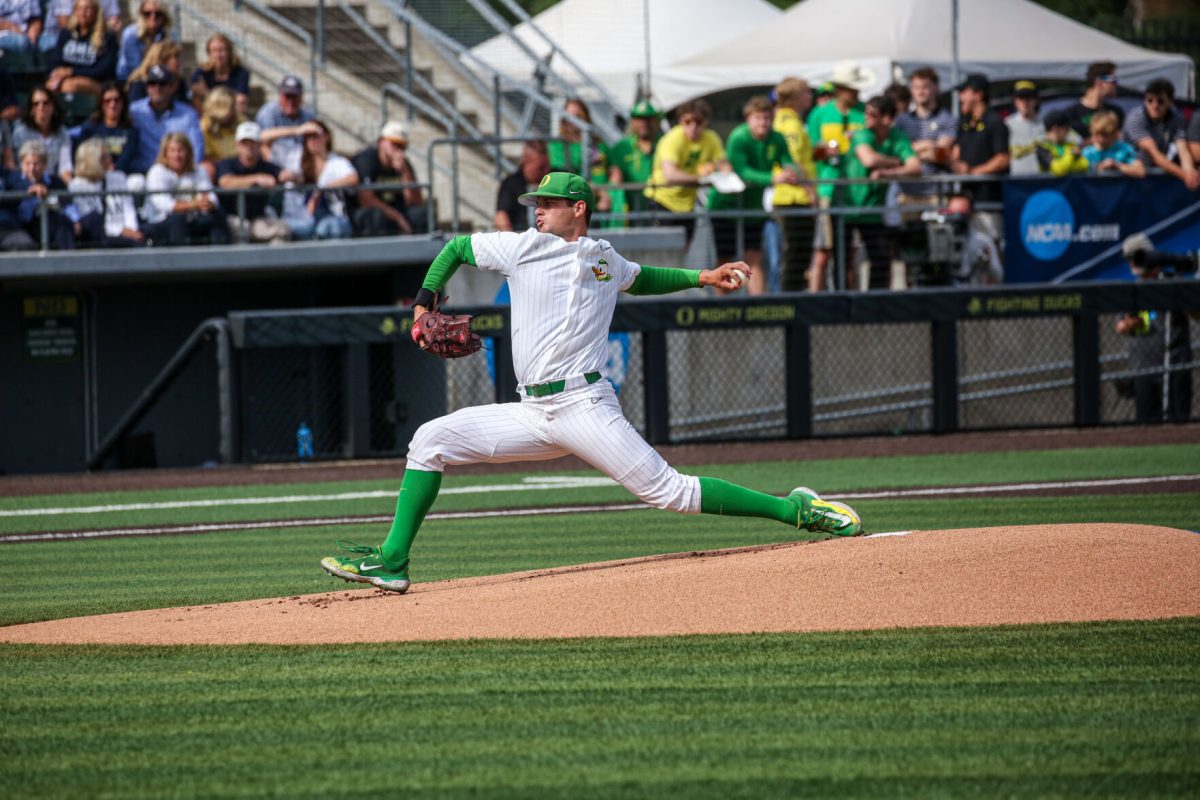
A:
[(642, 108), (566, 185)]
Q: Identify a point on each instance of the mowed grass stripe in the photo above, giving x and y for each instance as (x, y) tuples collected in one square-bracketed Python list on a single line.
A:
[(61, 579), (1069, 710)]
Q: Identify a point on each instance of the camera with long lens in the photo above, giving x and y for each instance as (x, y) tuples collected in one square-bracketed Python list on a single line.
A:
[(1167, 263), (1140, 252)]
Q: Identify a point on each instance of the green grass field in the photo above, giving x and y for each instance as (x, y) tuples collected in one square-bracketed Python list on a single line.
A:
[(1096, 710)]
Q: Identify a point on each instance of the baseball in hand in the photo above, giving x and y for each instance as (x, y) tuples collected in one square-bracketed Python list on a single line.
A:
[(739, 276)]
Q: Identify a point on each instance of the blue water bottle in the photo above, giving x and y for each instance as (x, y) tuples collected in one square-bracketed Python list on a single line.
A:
[(304, 441)]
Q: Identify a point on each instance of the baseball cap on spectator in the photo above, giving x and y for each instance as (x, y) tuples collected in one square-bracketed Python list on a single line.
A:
[(977, 81), (157, 75), (291, 85), (642, 109), (1025, 89), (851, 75), (1057, 119), (566, 185), (394, 132), (248, 131), (824, 89)]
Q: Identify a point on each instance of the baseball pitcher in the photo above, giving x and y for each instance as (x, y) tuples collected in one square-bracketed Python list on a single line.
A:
[(564, 288)]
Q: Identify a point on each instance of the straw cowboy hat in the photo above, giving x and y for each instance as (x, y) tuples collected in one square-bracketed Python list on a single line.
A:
[(851, 75)]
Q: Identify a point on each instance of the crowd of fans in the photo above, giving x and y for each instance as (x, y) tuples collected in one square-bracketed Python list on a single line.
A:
[(150, 165), (808, 149)]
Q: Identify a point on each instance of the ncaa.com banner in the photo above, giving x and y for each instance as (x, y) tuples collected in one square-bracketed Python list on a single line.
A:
[(1055, 224)]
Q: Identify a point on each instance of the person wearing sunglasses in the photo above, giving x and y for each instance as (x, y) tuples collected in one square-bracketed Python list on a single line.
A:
[(384, 212), (1101, 80), (1159, 132), (110, 122), (43, 122), (153, 25)]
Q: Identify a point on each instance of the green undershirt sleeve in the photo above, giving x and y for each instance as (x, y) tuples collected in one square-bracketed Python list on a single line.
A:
[(457, 251), (664, 280)]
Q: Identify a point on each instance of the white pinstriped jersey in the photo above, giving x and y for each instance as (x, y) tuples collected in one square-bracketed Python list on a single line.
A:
[(563, 296)]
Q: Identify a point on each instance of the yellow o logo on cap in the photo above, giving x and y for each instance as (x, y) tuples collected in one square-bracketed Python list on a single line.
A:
[(545, 180)]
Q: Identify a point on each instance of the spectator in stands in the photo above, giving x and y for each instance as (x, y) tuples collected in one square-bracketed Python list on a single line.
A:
[(85, 55), (20, 25), (930, 128), (1193, 137), (281, 121), (38, 184), (43, 122), (823, 94), (535, 165), (180, 205), (899, 94), (1108, 152), (383, 212), (221, 69), (830, 127), (879, 152), (981, 146), (1159, 132), (57, 16), (1025, 130), (10, 109), (248, 170), (631, 159), (153, 25), (566, 154), (13, 237), (1059, 154), (111, 124), (219, 125), (159, 114), (322, 214), (102, 221), (759, 155), (793, 100), (165, 54), (1101, 82), (685, 155)]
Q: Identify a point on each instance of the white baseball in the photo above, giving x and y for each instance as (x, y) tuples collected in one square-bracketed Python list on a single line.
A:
[(741, 276)]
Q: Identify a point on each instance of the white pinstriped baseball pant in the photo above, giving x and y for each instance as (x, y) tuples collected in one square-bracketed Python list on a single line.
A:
[(586, 422)]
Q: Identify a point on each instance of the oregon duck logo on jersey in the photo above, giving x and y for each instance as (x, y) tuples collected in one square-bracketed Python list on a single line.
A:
[(601, 271)]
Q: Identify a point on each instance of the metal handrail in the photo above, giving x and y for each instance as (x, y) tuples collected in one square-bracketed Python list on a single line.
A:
[(609, 130)]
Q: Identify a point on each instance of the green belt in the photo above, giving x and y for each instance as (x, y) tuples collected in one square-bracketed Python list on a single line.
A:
[(554, 387)]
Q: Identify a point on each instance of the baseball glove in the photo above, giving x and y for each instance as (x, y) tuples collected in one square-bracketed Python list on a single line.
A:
[(445, 335)]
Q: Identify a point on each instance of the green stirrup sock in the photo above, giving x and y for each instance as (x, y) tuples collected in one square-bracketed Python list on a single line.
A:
[(418, 490), (729, 499)]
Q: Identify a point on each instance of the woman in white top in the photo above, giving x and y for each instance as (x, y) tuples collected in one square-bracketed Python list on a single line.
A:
[(180, 205), (103, 221), (43, 122), (320, 214)]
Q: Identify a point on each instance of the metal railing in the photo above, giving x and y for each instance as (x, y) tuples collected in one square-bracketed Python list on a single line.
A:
[(292, 28)]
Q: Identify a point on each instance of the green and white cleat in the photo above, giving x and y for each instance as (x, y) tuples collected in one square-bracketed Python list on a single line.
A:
[(366, 565), (824, 516)]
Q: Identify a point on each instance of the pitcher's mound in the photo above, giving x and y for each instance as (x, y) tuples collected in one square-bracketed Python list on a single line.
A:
[(977, 576)]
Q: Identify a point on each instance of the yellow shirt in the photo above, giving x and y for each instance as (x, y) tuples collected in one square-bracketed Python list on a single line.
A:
[(788, 122), (688, 156)]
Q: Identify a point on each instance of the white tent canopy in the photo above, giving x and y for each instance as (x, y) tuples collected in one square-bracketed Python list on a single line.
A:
[(608, 38), (1004, 39)]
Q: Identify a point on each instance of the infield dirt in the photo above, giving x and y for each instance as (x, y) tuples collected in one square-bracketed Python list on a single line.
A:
[(977, 576)]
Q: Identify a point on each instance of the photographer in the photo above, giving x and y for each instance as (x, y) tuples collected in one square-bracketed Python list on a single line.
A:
[(1158, 339)]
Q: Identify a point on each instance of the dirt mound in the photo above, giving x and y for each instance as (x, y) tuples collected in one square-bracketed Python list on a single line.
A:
[(977, 576)]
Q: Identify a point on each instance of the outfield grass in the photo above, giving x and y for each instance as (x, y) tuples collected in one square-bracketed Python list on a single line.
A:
[(1105, 710), (1096, 710)]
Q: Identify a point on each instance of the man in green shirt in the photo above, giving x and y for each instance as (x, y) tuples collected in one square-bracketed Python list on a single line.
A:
[(879, 153), (632, 159), (760, 156)]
